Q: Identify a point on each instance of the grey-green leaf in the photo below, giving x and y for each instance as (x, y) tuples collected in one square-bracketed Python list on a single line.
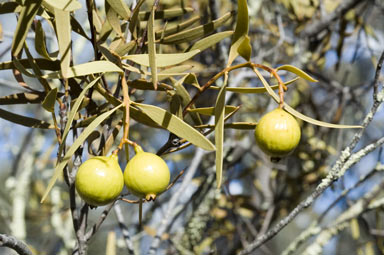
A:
[(24, 121), (100, 66), (297, 71), (152, 47), (176, 125), (211, 40), (50, 100), (219, 131), (162, 60)]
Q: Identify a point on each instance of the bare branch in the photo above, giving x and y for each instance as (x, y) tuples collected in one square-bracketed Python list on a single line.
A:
[(17, 245)]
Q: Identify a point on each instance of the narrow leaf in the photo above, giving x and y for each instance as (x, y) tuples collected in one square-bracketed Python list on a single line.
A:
[(63, 30), (10, 7), (79, 141), (219, 131), (121, 8), (210, 111), (166, 14), (297, 71), (209, 41), (254, 90), (197, 32), (23, 98), (27, 14), (162, 60), (152, 48), (245, 48), (40, 44), (145, 85), (50, 100), (241, 30), (177, 28), (25, 121), (63, 5), (86, 69), (296, 113), (177, 126), (113, 19), (44, 64)]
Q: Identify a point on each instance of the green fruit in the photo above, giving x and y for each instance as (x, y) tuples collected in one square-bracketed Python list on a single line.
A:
[(146, 175), (277, 133), (99, 180)]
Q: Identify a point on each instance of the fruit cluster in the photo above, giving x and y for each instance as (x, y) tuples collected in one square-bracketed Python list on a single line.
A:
[(100, 180)]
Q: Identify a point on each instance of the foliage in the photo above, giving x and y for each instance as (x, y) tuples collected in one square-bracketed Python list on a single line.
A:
[(162, 69)]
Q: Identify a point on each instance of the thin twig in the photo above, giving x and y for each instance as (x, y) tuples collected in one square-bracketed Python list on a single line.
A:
[(124, 229)]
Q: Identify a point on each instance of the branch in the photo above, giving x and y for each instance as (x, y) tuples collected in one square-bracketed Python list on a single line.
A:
[(11, 242), (175, 198), (316, 27), (345, 161)]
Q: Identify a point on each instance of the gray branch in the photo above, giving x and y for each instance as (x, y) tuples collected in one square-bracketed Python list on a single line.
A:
[(11, 242)]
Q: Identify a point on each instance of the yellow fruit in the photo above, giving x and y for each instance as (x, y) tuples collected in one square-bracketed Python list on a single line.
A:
[(99, 180), (277, 133), (146, 175)]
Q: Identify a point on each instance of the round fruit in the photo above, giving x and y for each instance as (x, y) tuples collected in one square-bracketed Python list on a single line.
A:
[(99, 180), (277, 133), (146, 175)]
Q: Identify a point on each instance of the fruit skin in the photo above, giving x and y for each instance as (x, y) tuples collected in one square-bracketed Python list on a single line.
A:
[(146, 175), (277, 133), (99, 180)]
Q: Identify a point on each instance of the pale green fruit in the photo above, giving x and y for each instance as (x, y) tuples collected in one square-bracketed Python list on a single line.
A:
[(99, 180), (277, 133), (146, 175)]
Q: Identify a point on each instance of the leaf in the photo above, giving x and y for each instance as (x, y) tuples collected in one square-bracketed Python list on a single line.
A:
[(27, 14), (113, 19), (297, 71), (173, 71), (9, 7), (152, 48), (233, 125), (245, 48), (145, 85), (219, 131), (44, 64), (23, 98), (177, 126), (40, 44), (197, 32), (166, 14), (185, 99), (241, 30), (162, 60), (63, 30), (177, 28), (79, 141), (211, 40), (50, 100), (253, 90), (296, 113), (64, 5), (72, 113), (100, 66), (121, 8), (25, 121), (211, 110)]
